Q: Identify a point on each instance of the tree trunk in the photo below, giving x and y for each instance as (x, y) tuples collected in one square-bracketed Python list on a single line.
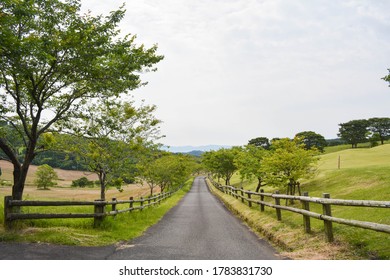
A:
[(299, 189), (20, 175), (102, 179)]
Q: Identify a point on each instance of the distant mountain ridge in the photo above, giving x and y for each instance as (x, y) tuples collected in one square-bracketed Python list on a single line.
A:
[(187, 149)]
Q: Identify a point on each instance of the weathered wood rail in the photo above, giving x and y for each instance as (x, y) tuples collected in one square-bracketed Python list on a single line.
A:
[(100, 208), (325, 201)]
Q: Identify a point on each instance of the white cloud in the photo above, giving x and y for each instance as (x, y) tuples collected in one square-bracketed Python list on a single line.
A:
[(234, 70)]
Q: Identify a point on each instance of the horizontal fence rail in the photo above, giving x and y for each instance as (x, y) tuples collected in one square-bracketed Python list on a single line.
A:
[(325, 201), (100, 208)]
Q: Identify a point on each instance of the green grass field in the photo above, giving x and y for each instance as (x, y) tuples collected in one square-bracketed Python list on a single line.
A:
[(363, 174), (123, 227)]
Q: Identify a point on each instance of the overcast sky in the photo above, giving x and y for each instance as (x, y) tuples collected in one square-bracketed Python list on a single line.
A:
[(239, 69)]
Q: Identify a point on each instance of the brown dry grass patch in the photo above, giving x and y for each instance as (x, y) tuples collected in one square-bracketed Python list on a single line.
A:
[(63, 191)]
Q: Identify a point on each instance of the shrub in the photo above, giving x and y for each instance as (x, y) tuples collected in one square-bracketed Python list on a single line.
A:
[(45, 177), (82, 182)]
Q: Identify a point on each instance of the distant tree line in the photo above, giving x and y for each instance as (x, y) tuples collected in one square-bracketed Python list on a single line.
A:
[(365, 130)]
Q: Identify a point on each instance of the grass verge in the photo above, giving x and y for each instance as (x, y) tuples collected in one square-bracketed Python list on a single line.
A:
[(288, 236), (123, 227)]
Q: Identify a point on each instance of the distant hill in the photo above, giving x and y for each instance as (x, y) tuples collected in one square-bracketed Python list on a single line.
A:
[(195, 153), (188, 149)]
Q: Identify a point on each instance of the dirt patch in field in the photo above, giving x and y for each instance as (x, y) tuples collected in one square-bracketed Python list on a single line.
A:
[(31, 193), (63, 191)]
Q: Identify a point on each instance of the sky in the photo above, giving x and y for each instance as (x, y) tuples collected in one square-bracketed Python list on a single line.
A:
[(234, 70)]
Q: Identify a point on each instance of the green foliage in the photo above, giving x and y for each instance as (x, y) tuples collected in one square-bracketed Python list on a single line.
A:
[(380, 128), (54, 62), (312, 140), (354, 132), (260, 142), (364, 175), (221, 162), (60, 159), (249, 162), (288, 163), (166, 171), (387, 78), (361, 131), (111, 135), (45, 177), (82, 183)]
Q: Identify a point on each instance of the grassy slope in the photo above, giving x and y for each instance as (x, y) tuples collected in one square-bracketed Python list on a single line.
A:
[(364, 174)]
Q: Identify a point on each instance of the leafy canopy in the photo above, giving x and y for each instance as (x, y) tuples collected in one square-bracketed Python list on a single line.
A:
[(288, 163), (110, 133), (54, 61)]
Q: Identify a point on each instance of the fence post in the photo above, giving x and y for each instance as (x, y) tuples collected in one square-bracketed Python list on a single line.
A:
[(249, 199), (278, 211), (262, 200), (306, 219), (242, 195), (142, 203), (327, 224), (131, 203), (99, 209), (113, 206), (7, 210), (236, 193)]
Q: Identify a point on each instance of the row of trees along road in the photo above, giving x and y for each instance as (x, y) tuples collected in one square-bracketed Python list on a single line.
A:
[(59, 67), (284, 163), (166, 170)]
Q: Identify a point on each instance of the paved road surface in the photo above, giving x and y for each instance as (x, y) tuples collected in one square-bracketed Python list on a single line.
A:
[(199, 227)]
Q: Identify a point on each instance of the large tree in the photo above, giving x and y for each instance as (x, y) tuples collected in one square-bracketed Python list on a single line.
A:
[(354, 132), (312, 140), (288, 163), (249, 162), (108, 137), (380, 127), (53, 61)]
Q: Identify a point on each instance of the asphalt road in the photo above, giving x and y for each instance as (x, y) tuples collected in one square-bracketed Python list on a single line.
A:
[(199, 227)]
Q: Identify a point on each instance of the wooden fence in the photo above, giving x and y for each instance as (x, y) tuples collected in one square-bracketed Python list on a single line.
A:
[(325, 201), (99, 206)]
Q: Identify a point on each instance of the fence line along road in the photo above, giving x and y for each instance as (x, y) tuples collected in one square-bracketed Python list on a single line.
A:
[(325, 201), (12, 208)]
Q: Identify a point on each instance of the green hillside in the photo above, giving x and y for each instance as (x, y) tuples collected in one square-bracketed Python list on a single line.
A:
[(355, 158), (363, 174)]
